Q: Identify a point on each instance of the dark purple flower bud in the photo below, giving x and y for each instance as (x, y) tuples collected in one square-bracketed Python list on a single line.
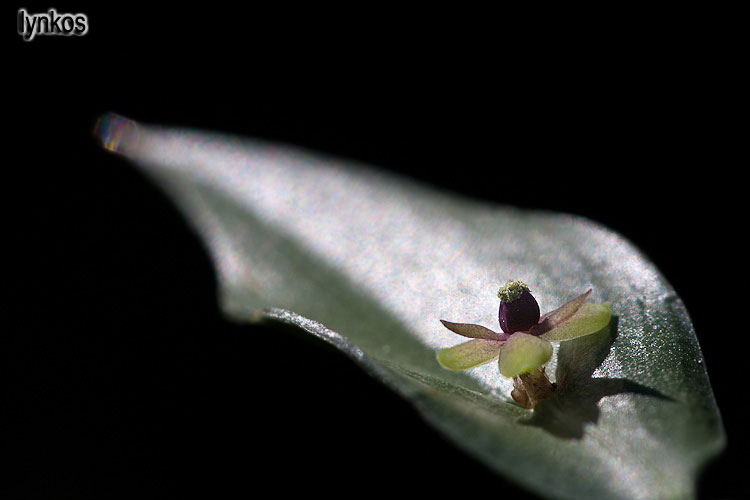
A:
[(519, 310)]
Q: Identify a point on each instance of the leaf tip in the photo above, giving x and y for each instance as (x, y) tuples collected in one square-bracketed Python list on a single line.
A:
[(115, 132)]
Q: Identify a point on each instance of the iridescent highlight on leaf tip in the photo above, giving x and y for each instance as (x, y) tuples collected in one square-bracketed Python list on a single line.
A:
[(115, 132)]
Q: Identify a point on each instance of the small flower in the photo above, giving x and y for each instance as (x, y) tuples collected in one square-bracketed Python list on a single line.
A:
[(523, 346)]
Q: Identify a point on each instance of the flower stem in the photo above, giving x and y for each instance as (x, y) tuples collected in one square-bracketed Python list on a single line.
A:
[(532, 387)]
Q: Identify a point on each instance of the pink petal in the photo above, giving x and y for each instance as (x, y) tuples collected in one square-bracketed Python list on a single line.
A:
[(473, 331)]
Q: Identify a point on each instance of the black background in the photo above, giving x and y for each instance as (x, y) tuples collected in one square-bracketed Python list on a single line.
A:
[(119, 375)]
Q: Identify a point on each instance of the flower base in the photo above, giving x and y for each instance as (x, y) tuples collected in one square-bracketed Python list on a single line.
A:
[(532, 387)]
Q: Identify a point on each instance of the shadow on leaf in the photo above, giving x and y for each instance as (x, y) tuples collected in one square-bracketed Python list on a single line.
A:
[(567, 414)]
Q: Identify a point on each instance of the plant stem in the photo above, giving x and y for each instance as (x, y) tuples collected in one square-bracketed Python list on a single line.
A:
[(532, 387)]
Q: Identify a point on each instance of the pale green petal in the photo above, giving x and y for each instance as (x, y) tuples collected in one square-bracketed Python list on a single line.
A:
[(560, 315), (469, 354), (523, 353), (589, 319)]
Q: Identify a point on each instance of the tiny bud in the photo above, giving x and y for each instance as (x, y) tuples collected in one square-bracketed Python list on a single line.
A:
[(519, 310)]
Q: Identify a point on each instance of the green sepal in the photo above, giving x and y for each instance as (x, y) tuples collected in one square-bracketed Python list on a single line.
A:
[(523, 353), (590, 318), (469, 354)]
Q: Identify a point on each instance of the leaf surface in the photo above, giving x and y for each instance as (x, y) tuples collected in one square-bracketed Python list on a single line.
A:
[(370, 262)]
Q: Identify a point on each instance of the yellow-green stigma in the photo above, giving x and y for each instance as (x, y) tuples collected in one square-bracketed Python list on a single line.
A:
[(512, 291)]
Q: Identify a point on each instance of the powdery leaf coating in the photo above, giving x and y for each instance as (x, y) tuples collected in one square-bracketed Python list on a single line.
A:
[(308, 240)]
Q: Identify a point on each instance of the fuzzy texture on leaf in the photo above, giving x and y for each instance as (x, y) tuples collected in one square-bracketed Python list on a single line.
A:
[(366, 261)]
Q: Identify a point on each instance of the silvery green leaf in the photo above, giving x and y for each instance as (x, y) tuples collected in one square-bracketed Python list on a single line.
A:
[(370, 262)]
